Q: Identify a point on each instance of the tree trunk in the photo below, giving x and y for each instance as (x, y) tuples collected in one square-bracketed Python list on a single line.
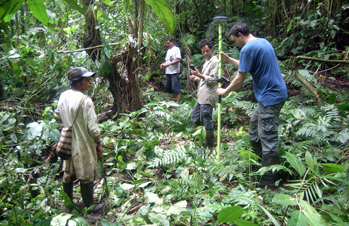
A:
[(135, 15), (140, 25), (91, 36), (125, 89)]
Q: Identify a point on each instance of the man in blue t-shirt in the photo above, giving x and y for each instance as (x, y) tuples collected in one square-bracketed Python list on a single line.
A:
[(257, 57)]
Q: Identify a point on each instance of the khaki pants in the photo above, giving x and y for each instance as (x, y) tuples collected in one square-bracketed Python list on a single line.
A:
[(70, 177)]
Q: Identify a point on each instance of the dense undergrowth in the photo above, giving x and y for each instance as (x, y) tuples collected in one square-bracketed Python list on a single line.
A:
[(157, 169), (159, 173)]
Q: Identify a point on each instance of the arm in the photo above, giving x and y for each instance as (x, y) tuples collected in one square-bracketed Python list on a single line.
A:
[(92, 125), (164, 65), (230, 60), (236, 83)]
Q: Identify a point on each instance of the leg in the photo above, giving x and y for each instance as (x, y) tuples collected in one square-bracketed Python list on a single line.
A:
[(253, 132), (168, 85), (68, 179), (87, 196), (268, 133), (206, 114), (195, 115), (176, 87)]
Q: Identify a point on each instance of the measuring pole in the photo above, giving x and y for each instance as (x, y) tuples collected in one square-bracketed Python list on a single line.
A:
[(220, 20)]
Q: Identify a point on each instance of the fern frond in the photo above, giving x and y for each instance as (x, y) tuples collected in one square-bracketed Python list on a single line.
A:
[(169, 157)]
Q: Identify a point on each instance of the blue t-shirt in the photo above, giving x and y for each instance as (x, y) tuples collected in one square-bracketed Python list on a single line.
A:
[(257, 57)]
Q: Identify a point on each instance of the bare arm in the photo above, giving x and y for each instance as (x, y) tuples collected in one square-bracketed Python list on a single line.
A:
[(164, 65), (230, 60), (236, 83)]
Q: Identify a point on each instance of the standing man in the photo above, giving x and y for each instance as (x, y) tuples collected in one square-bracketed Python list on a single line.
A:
[(257, 57), (206, 96), (172, 71)]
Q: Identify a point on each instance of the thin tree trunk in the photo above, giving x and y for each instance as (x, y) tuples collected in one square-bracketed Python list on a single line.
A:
[(135, 16), (140, 25)]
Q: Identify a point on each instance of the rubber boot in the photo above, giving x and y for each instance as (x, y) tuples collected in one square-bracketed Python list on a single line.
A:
[(269, 178), (87, 197), (68, 189), (210, 138)]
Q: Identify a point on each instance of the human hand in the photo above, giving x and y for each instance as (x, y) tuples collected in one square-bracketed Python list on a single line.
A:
[(99, 150), (224, 57), (220, 91), (193, 77)]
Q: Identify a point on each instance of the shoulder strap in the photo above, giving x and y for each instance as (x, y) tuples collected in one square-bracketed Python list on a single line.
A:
[(81, 101)]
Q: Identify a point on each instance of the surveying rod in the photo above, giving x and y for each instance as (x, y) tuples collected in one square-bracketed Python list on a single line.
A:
[(220, 20)]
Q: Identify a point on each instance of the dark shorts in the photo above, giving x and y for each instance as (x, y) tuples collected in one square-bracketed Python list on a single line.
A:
[(172, 84)]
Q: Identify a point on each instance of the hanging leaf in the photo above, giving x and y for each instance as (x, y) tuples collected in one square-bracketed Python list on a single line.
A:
[(289, 26), (38, 9), (164, 13), (296, 163), (74, 5), (9, 8), (229, 214)]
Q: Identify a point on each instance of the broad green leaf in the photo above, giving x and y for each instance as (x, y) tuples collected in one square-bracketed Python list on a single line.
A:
[(9, 8), (21, 170), (74, 5), (38, 9), (163, 11), (177, 208), (311, 162), (310, 213), (108, 2), (3, 119), (296, 163), (13, 137), (241, 222), (229, 214), (333, 168), (45, 111), (159, 219), (285, 200), (297, 219), (54, 135), (61, 220), (152, 198), (126, 186)]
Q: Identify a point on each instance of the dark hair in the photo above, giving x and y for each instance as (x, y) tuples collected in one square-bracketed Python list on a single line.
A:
[(205, 42), (169, 39), (74, 82), (239, 28)]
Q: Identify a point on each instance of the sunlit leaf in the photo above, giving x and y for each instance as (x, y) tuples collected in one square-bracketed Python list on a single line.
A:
[(284, 200), (38, 9), (74, 5), (164, 12), (229, 214)]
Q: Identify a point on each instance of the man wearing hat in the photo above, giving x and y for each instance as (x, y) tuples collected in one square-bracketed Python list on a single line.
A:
[(86, 144)]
